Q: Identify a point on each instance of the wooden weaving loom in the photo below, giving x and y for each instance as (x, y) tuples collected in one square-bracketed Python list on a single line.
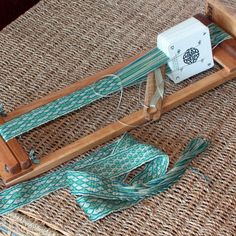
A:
[(17, 162)]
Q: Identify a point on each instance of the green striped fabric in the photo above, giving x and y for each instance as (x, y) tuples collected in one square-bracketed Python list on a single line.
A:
[(132, 74), (99, 180)]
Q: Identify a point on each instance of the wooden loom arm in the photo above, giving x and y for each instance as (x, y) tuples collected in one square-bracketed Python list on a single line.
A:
[(222, 15), (117, 128), (194, 90), (225, 52)]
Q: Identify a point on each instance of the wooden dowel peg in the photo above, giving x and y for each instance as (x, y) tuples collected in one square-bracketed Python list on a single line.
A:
[(149, 93), (8, 162), (20, 153), (15, 158)]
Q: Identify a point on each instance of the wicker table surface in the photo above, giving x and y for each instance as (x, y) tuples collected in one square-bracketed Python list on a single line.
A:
[(58, 42)]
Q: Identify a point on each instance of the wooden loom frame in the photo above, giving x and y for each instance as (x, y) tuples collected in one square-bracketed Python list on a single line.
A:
[(18, 164)]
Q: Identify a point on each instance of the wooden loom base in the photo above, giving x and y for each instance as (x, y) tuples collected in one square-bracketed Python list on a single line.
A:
[(224, 55), (117, 128)]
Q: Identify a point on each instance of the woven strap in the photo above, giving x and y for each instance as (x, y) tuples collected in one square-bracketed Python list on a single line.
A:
[(132, 74), (98, 180)]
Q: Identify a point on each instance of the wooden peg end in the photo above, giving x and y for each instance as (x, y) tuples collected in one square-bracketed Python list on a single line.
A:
[(8, 160), (19, 153)]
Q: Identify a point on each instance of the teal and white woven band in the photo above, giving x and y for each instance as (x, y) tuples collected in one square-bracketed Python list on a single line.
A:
[(130, 75), (99, 180)]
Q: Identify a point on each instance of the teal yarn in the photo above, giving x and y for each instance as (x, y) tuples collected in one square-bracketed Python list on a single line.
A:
[(7, 231), (99, 180), (201, 174), (33, 157), (217, 34), (130, 75)]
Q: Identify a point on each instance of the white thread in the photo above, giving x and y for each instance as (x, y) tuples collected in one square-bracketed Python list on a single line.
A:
[(121, 96), (108, 75), (117, 143)]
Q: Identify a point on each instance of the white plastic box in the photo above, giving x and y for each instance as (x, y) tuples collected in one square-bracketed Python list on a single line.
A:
[(188, 45)]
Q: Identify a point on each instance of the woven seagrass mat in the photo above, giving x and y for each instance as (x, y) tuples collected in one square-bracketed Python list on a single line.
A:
[(228, 3), (59, 42)]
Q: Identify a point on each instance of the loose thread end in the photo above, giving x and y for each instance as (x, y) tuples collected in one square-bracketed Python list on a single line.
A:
[(194, 148), (33, 157), (200, 173)]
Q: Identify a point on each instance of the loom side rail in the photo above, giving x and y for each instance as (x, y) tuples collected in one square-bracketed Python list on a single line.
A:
[(225, 55), (117, 128)]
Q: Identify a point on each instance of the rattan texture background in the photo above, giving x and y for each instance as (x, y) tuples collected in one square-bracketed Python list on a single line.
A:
[(59, 42)]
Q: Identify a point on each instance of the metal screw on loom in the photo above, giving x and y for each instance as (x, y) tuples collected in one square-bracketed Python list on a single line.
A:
[(6, 168)]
